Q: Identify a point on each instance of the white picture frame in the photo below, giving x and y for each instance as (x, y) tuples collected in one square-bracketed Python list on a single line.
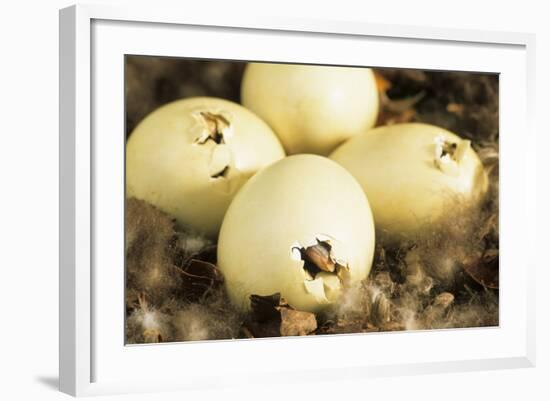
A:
[(93, 357)]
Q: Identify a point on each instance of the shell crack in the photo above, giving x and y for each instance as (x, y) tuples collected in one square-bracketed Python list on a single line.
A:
[(221, 174)]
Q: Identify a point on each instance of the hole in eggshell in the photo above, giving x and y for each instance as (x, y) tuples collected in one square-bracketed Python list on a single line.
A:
[(324, 272), (216, 127), (448, 148), (448, 155), (318, 258)]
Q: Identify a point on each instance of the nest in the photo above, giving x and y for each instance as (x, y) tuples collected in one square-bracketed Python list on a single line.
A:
[(445, 279)]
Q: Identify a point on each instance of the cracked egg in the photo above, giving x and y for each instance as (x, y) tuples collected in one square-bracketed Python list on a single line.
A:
[(414, 175), (191, 156), (312, 108), (301, 227)]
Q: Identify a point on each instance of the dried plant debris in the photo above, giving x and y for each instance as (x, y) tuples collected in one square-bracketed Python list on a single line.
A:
[(484, 269), (149, 237), (159, 262), (365, 308), (410, 308), (394, 111), (200, 278), (171, 279), (194, 246), (448, 278), (271, 316), (212, 319), (147, 324), (465, 103)]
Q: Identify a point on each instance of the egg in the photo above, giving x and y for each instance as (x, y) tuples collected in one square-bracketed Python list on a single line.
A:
[(190, 157), (312, 109), (415, 176), (301, 227)]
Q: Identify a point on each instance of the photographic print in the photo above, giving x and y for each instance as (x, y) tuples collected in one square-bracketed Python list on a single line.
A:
[(272, 199)]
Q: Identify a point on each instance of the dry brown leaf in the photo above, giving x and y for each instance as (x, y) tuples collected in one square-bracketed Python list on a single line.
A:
[(271, 316), (455, 108), (297, 323), (382, 83)]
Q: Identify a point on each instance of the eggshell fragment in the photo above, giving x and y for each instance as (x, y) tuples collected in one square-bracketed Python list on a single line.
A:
[(191, 156), (415, 175), (300, 202), (312, 109)]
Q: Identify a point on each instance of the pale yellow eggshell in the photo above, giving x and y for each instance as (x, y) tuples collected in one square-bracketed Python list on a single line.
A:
[(312, 109), (166, 166), (407, 189), (295, 200)]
